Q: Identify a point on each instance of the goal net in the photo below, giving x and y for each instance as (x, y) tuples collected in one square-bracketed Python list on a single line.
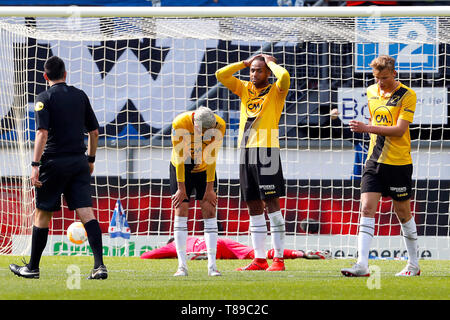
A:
[(142, 68)]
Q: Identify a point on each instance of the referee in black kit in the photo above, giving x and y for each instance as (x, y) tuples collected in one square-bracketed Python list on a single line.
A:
[(60, 165)]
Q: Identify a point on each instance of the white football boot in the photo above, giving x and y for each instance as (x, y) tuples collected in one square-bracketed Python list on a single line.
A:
[(409, 271), (213, 272), (356, 271), (181, 272)]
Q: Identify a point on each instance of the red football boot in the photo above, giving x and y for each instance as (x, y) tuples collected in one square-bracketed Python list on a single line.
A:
[(277, 265), (255, 265)]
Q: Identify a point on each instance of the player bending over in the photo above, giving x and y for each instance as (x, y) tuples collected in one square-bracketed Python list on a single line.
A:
[(196, 138)]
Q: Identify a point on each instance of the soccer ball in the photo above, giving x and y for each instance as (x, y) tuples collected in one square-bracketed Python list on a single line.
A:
[(76, 233)]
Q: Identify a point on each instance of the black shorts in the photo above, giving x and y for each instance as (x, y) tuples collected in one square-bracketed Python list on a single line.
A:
[(192, 181), (68, 175), (261, 174), (389, 180)]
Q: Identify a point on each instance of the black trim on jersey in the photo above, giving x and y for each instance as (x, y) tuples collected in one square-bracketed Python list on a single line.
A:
[(265, 91), (378, 148), (247, 128), (251, 120), (392, 102), (396, 97)]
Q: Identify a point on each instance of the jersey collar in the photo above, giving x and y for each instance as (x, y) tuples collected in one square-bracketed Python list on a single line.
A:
[(388, 95)]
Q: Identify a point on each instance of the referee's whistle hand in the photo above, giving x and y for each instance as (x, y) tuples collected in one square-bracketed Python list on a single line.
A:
[(91, 168), (35, 178)]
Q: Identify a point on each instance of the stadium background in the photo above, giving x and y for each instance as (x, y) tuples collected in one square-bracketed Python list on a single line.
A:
[(320, 199)]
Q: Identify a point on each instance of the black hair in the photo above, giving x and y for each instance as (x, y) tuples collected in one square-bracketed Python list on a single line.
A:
[(54, 68), (261, 58)]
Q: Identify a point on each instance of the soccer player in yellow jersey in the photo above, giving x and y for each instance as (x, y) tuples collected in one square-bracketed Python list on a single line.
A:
[(196, 138), (388, 167), (260, 171)]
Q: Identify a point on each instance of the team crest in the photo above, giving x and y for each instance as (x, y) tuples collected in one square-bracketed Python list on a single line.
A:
[(39, 106)]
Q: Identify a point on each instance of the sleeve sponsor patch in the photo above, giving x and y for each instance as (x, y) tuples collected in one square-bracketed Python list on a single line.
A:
[(39, 106)]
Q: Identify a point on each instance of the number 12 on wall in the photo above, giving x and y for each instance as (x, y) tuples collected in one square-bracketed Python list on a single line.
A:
[(412, 42)]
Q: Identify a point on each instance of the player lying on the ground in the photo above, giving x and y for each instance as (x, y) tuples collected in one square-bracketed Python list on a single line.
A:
[(226, 249)]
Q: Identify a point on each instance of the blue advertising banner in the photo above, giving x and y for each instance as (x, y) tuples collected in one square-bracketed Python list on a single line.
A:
[(411, 41)]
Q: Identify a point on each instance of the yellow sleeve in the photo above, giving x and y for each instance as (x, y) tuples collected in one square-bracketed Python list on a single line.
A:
[(178, 151), (283, 78), (408, 107), (225, 76), (215, 145)]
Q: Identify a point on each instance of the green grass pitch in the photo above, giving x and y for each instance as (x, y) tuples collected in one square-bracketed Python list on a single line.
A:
[(136, 279)]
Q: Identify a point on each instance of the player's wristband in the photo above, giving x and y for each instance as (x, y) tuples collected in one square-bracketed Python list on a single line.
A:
[(91, 159), (35, 163)]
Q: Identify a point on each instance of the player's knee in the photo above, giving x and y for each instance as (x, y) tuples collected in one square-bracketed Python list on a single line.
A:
[(273, 204), (208, 210), (368, 211), (255, 207)]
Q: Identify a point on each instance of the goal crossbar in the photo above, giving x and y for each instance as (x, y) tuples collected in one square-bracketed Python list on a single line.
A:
[(81, 11)]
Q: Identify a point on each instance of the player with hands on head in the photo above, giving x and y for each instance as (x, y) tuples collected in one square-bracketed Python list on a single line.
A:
[(196, 138), (260, 171), (388, 169)]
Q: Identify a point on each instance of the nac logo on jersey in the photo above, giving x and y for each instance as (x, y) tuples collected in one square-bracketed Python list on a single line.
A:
[(382, 116)]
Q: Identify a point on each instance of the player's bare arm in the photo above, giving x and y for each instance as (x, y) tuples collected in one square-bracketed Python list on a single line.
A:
[(92, 147), (39, 145), (392, 131)]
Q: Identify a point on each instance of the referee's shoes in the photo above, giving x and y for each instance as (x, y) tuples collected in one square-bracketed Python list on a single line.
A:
[(98, 273), (24, 271)]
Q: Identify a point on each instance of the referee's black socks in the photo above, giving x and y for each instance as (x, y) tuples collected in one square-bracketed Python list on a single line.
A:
[(38, 242), (94, 234)]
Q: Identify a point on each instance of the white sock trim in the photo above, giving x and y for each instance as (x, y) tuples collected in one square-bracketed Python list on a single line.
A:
[(365, 235), (258, 232), (180, 235), (277, 232), (210, 233)]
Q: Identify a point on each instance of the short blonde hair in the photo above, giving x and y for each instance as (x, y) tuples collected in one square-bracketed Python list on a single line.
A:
[(383, 62)]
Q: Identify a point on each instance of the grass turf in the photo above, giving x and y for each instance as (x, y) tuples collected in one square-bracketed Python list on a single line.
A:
[(136, 279)]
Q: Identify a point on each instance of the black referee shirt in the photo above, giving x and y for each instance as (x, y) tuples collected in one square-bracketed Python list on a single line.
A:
[(66, 113)]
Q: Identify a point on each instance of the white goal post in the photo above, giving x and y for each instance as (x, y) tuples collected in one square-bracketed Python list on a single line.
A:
[(141, 67)]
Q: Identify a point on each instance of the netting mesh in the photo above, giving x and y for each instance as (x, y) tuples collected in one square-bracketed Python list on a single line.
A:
[(139, 73), (299, 29)]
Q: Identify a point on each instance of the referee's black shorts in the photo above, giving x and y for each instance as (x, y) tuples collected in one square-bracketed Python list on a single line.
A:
[(389, 180), (64, 174), (193, 181), (261, 174)]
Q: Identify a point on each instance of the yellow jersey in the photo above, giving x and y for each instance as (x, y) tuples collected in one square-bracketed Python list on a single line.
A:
[(260, 108), (198, 149), (386, 110)]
